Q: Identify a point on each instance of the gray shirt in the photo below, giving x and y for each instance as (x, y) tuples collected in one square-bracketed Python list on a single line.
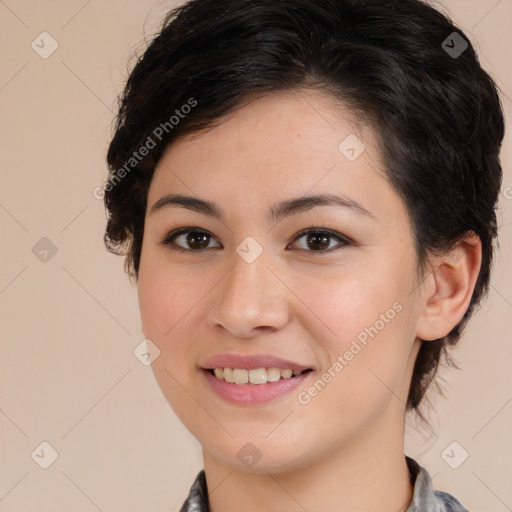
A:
[(425, 498)]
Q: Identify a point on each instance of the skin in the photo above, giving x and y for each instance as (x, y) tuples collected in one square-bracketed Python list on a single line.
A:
[(343, 450)]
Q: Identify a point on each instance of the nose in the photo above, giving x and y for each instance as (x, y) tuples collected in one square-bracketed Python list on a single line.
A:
[(251, 299)]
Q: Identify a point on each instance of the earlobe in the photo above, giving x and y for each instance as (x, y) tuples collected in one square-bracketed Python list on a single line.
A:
[(449, 288)]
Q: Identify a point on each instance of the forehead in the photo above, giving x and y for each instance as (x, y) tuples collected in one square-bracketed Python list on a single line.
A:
[(303, 123), (275, 147)]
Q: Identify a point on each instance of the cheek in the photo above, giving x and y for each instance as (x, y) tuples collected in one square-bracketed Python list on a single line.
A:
[(167, 314), (351, 305), (362, 322), (165, 298), (166, 293)]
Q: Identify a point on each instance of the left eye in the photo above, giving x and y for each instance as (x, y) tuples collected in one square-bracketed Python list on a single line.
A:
[(320, 239), (198, 240)]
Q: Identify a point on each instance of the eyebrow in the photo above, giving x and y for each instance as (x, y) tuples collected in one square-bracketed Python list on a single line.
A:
[(276, 212)]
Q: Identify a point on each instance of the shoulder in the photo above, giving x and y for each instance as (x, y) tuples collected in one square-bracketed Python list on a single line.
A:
[(425, 497), (449, 502), (197, 500)]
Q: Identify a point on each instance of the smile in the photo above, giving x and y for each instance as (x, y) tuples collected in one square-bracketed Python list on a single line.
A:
[(255, 376), (247, 393)]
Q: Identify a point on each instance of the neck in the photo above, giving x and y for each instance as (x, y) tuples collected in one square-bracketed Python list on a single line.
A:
[(370, 475)]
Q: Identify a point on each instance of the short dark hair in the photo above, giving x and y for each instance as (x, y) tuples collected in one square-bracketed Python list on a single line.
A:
[(402, 65)]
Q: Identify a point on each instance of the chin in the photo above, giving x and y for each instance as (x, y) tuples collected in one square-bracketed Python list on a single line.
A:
[(260, 455)]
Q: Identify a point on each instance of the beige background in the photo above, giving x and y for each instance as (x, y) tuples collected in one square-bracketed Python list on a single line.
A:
[(68, 375)]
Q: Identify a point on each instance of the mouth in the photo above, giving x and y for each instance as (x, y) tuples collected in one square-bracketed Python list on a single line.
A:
[(256, 376), (247, 379), (255, 386)]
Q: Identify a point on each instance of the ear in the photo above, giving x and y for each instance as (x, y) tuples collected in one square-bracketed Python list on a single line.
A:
[(447, 290)]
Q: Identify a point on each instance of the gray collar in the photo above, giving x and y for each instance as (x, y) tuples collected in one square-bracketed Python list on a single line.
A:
[(425, 498)]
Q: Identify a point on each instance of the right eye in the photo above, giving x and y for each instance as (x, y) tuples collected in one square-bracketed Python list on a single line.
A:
[(193, 237)]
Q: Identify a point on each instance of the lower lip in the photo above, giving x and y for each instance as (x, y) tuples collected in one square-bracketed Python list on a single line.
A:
[(251, 394)]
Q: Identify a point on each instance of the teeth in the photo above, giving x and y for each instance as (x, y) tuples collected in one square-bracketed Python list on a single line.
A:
[(256, 376), (240, 376), (273, 374), (286, 374)]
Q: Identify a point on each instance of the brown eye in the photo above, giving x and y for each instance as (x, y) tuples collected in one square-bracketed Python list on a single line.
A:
[(319, 240), (197, 240), (190, 240)]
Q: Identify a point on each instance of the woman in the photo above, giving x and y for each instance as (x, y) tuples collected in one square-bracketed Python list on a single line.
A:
[(305, 192)]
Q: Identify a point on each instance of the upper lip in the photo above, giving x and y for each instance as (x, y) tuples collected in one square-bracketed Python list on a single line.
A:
[(250, 362)]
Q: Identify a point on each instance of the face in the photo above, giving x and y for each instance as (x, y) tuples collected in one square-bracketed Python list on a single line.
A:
[(339, 299)]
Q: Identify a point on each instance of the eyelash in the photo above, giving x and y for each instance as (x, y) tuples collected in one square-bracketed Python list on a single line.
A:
[(345, 241)]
